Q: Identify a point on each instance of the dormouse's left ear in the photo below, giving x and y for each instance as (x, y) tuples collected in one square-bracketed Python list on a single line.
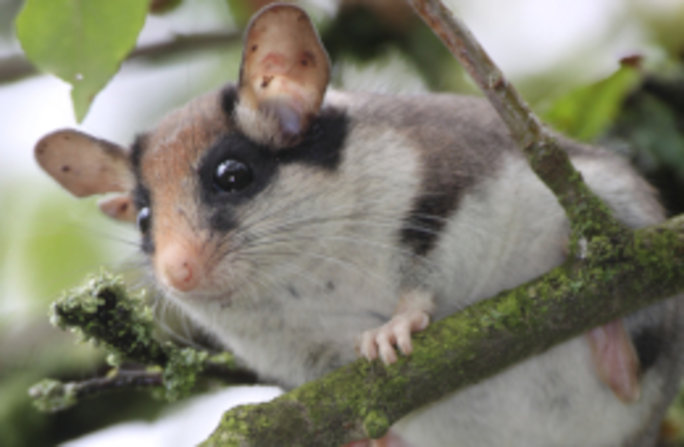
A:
[(86, 166), (283, 76)]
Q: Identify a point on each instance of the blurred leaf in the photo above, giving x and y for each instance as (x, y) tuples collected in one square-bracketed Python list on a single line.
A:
[(4, 222), (60, 249), (48, 249), (654, 129), (672, 431), (8, 10), (650, 129), (81, 41), (366, 32), (663, 24), (241, 11), (588, 111)]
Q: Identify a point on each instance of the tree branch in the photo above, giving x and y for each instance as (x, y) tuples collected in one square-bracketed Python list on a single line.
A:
[(52, 395), (15, 67), (364, 399)]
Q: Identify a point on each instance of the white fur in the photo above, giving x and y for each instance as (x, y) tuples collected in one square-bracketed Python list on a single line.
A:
[(262, 128), (349, 242)]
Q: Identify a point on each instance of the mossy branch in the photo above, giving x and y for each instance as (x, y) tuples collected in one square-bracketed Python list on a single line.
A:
[(364, 399), (51, 395), (102, 311)]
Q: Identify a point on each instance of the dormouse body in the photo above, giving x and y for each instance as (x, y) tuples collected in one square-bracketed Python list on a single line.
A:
[(301, 225)]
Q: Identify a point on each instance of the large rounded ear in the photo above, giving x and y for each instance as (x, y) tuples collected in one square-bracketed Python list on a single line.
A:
[(84, 165), (283, 76)]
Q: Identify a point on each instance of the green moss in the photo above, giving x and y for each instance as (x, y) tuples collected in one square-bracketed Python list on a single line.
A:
[(376, 424), (182, 371), (655, 249), (265, 424), (224, 359), (51, 395), (101, 310)]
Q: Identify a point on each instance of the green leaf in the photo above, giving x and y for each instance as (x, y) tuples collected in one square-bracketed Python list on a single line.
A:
[(588, 111), (56, 246), (81, 41), (654, 128), (241, 11)]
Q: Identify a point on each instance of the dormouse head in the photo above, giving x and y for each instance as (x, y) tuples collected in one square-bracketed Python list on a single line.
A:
[(188, 182)]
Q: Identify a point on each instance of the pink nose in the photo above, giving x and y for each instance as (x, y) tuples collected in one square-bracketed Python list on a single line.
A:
[(178, 267)]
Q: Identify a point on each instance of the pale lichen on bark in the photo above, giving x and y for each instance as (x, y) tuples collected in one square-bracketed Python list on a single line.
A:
[(104, 312)]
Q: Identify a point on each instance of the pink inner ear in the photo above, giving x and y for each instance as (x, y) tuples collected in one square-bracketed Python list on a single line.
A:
[(284, 73), (119, 207), (274, 62)]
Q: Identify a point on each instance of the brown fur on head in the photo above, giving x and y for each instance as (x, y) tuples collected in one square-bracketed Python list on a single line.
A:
[(283, 78)]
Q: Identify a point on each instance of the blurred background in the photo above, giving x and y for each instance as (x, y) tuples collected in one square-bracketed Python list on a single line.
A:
[(609, 71)]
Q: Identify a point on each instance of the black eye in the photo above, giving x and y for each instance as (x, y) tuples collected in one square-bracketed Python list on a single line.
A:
[(143, 219), (232, 175)]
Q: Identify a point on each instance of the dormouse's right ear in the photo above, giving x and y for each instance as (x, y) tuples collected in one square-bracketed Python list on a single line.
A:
[(283, 76), (85, 166)]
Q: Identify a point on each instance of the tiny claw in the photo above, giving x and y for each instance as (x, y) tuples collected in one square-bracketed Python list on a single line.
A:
[(367, 347), (396, 332), (385, 341), (404, 341)]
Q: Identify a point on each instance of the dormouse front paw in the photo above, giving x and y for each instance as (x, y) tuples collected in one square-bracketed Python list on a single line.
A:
[(396, 332), (412, 315)]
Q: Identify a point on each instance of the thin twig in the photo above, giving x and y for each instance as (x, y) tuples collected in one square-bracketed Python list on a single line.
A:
[(123, 379), (15, 67), (589, 217), (52, 395)]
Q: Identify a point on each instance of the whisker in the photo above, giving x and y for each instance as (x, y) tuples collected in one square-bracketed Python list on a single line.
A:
[(350, 240), (350, 266), (344, 212)]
